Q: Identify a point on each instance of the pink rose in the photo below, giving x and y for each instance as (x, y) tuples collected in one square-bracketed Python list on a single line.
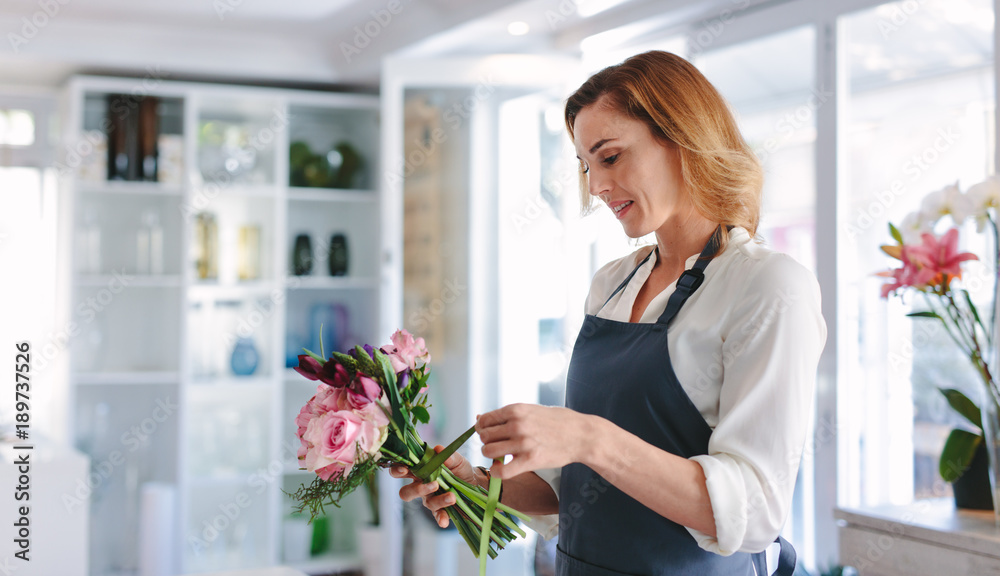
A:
[(406, 351), (327, 399), (335, 437), (374, 413)]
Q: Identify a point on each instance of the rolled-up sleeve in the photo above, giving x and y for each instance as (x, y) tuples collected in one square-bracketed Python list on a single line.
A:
[(770, 352), (547, 525)]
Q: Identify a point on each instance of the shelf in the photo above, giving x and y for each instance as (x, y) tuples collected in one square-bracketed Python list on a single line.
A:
[(259, 382), (330, 282), (126, 378), (172, 339), (237, 189), (201, 290), (329, 563), (133, 280), (301, 194), (130, 187)]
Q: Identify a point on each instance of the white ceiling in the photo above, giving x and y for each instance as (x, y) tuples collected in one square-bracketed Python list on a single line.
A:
[(291, 41)]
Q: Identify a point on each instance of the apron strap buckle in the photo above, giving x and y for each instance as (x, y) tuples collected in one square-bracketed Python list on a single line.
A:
[(690, 280)]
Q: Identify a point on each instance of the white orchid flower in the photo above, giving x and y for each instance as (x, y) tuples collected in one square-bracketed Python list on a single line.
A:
[(983, 197), (948, 201), (914, 225)]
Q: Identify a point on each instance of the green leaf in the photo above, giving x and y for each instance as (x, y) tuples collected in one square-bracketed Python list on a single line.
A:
[(421, 414), (318, 358), (974, 310), (961, 403), (430, 467), (925, 314), (491, 508), (388, 377), (957, 454), (894, 232)]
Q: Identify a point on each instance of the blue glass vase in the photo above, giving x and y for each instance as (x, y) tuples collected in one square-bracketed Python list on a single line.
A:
[(245, 357)]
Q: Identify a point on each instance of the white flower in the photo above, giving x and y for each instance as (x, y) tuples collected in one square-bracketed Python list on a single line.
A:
[(913, 226), (946, 201), (983, 197)]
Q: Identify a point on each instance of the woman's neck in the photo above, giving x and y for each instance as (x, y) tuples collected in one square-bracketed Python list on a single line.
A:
[(680, 238)]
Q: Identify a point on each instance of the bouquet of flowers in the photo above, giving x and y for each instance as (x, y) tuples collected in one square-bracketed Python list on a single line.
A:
[(364, 416), (931, 266)]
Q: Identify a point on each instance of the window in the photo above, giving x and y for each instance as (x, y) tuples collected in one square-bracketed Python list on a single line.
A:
[(28, 208), (919, 116)]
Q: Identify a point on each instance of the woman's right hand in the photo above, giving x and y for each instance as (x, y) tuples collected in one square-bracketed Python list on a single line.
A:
[(436, 503)]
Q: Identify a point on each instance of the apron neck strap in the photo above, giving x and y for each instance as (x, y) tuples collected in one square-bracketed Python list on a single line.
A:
[(625, 281), (690, 280)]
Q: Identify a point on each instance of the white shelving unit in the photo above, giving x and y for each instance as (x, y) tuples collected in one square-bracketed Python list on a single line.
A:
[(148, 341)]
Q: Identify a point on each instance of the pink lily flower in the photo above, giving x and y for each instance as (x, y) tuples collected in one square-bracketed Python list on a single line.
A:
[(938, 259)]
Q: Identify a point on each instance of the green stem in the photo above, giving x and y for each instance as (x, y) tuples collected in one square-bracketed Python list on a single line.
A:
[(944, 322), (491, 508), (477, 497)]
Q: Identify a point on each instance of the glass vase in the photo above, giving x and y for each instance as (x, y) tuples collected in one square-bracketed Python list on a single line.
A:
[(990, 408)]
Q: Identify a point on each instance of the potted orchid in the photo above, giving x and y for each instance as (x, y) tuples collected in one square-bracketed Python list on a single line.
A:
[(930, 266)]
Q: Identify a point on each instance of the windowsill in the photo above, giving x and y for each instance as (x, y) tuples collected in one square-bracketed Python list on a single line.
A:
[(887, 536)]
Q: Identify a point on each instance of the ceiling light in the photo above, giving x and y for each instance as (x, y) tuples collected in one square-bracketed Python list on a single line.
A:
[(518, 28)]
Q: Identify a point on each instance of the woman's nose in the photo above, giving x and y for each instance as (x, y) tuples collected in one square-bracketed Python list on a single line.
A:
[(596, 184)]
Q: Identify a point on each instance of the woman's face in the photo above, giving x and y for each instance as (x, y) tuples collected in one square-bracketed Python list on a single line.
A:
[(636, 175)]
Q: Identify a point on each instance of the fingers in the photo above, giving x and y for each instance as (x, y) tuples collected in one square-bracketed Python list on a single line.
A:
[(497, 450), (401, 472), (417, 489), (442, 518), (439, 502), (497, 417), (516, 467)]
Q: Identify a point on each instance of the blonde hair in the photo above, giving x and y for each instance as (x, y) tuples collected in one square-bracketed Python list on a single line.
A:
[(681, 107)]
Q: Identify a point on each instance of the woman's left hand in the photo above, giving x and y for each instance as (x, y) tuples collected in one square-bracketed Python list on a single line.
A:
[(535, 436)]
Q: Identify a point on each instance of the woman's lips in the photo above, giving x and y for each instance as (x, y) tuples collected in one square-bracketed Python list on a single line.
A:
[(621, 208)]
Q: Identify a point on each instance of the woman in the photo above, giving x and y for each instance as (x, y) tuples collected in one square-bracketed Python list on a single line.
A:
[(692, 380)]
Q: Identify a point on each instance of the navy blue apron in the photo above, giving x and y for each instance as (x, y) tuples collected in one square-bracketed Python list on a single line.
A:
[(621, 371)]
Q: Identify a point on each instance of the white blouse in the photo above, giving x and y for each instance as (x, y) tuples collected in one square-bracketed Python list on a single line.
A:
[(745, 347)]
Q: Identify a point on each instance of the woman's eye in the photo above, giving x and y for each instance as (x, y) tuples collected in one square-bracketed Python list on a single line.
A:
[(611, 159), (584, 167)]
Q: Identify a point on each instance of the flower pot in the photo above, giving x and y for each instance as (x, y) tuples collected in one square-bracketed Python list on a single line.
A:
[(990, 410), (371, 548), (972, 489)]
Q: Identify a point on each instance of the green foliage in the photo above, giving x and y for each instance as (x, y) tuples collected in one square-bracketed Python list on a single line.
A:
[(345, 360), (959, 450), (365, 364), (421, 415), (315, 356), (961, 403), (894, 232), (321, 493), (924, 314)]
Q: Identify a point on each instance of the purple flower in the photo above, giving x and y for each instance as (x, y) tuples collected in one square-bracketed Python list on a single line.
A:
[(335, 375), (329, 373), (309, 367), (402, 379)]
